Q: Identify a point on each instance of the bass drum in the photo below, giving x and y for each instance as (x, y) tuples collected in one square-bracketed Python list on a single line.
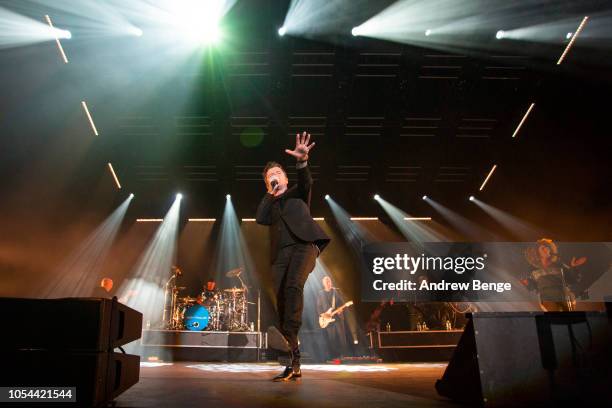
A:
[(196, 317)]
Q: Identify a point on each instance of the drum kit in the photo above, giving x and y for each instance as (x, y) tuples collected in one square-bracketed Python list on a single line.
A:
[(213, 309)]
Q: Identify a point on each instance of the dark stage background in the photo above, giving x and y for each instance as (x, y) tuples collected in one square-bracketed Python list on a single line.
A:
[(383, 119)]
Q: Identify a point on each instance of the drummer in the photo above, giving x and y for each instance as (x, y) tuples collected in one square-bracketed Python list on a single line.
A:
[(209, 294)]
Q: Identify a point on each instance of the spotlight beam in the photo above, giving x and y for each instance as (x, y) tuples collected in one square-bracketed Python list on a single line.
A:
[(576, 34), (462, 225), (232, 250), (484, 183), (57, 41), (79, 274), (110, 167), (523, 120), (353, 232), (412, 231), (91, 122), (516, 226), (144, 287)]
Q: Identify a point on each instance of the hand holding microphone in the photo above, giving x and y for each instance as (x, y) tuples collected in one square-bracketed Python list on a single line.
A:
[(276, 187)]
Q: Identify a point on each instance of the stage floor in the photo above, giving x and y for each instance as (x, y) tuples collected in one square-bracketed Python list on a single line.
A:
[(184, 384)]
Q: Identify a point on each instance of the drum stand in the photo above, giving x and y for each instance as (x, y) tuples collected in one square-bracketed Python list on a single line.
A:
[(170, 317)]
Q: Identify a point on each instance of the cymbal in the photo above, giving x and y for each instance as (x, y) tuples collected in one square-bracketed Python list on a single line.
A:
[(234, 290), (234, 272), (188, 299)]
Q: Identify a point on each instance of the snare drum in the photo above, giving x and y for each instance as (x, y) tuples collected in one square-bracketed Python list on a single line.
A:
[(196, 317)]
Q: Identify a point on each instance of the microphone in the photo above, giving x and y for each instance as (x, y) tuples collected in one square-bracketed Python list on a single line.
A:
[(274, 183)]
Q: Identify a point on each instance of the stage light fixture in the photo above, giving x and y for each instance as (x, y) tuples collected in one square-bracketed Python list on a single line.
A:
[(424, 197), (376, 197), (427, 33), (137, 32), (59, 34), (228, 197), (110, 167), (327, 196), (199, 21), (131, 195), (211, 35), (523, 120), (355, 341), (568, 36), (484, 183), (91, 122), (574, 36), (472, 198), (355, 31), (179, 196), (282, 31), (500, 34)]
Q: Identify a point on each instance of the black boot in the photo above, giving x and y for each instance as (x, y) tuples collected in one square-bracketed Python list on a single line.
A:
[(292, 372)]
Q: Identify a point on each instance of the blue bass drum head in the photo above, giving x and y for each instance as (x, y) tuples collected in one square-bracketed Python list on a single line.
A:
[(196, 318)]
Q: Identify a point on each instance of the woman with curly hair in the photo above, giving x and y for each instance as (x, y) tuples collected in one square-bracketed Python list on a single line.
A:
[(551, 276)]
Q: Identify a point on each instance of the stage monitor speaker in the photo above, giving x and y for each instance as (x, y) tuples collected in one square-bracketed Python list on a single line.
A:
[(91, 324), (69, 343), (531, 359), (97, 377)]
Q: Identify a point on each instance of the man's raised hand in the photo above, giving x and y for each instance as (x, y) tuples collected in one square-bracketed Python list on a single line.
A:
[(300, 152)]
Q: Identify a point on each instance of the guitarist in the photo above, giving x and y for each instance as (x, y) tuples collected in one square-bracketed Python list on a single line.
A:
[(328, 300)]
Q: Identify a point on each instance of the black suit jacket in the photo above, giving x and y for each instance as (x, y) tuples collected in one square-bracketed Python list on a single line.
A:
[(295, 213)]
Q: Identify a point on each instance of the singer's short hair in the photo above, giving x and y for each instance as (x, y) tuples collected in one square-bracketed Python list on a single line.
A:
[(270, 165)]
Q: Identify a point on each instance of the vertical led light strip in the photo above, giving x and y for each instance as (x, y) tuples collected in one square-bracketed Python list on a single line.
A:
[(484, 183), (523, 120), (91, 122), (57, 41), (110, 167), (578, 30)]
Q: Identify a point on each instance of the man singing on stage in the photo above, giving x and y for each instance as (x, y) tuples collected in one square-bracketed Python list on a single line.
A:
[(295, 242)]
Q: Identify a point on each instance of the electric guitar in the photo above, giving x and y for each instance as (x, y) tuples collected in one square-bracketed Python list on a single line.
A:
[(327, 317)]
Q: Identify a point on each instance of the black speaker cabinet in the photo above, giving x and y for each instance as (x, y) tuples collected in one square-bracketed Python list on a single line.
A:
[(97, 377), (70, 323), (69, 343), (531, 359)]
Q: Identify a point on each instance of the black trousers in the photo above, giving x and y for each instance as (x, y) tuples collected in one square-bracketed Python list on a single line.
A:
[(291, 268)]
